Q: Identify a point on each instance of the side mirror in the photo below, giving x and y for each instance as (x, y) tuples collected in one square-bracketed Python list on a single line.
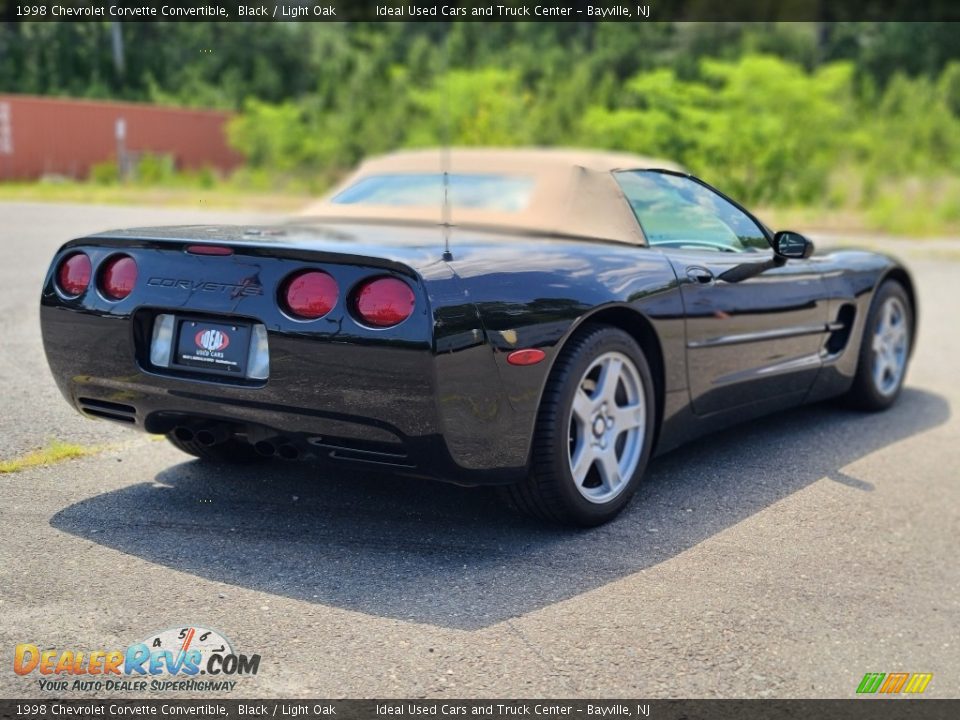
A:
[(792, 245)]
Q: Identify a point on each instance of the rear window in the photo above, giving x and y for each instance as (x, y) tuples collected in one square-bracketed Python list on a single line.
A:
[(503, 193)]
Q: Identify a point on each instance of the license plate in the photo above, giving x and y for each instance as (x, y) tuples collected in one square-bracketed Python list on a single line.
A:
[(220, 348)]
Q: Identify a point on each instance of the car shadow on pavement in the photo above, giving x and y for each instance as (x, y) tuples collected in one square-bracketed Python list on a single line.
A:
[(453, 557)]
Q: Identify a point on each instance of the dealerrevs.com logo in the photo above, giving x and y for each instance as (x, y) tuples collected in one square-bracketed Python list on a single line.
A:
[(193, 659)]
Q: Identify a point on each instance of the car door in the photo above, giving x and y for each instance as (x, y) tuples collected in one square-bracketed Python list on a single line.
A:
[(755, 323)]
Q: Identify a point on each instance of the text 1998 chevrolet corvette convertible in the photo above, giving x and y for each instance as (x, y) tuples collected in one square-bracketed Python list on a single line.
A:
[(541, 320)]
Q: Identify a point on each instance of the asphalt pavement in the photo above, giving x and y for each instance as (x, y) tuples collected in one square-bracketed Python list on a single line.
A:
[(782, 558)]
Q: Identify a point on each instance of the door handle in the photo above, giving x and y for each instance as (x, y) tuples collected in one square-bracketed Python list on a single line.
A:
[(700, 275)]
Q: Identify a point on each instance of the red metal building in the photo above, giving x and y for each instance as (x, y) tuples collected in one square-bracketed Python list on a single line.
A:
[(54, 136)]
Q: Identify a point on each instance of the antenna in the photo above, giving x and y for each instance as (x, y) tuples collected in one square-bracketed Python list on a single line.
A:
[(445, 218)]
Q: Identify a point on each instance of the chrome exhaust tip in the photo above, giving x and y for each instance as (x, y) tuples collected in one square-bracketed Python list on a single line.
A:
[(212, 435), (264, 448), (205, 437), (184, 434)]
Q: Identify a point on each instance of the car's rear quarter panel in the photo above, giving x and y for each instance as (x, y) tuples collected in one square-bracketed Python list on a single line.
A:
[(538, 292)]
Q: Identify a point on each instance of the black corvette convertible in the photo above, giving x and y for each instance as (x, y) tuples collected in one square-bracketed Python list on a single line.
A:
[(541, 320)]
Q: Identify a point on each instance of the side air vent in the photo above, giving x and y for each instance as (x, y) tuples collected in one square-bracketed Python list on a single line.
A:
[(840, 330), (118, 412)]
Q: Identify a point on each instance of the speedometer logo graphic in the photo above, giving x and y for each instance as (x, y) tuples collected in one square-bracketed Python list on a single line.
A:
[(184, 639)]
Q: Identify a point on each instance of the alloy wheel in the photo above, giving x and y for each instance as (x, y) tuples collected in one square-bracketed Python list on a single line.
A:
[(891, 340), (607, 425)]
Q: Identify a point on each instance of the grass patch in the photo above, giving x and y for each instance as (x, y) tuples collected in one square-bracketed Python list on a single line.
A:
[(227, 198), (911, 207), (808, 219), (905, 207), (53, 453)]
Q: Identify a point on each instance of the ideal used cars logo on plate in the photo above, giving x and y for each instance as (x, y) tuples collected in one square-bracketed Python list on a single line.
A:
[(192, 659), (212, 340)]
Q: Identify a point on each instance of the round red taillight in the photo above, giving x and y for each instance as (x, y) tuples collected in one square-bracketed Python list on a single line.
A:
[(118, 277), (310, 295), (384, 302), (73, 277)]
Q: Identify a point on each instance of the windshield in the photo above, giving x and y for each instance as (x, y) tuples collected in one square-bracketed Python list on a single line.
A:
[(505, 193)]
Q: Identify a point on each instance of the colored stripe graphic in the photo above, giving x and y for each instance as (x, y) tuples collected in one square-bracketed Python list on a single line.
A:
[(918, 682), (894, 682), (870, 682)]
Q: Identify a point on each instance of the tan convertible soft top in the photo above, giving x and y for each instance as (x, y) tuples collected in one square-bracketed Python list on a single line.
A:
[(574, 192)]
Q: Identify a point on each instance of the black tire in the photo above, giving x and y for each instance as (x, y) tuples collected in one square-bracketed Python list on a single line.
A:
[(550, 492), (866, 393), (229, 452)]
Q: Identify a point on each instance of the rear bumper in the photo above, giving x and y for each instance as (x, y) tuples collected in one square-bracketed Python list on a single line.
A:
[(350, 403)]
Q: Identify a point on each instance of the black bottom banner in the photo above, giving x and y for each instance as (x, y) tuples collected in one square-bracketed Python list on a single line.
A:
[(860, 708)]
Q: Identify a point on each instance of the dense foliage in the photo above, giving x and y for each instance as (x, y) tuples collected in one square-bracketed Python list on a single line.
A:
[(777, 113)]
